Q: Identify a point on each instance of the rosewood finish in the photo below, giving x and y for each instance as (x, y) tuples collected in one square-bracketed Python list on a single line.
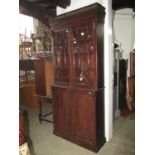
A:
[(78, 88)]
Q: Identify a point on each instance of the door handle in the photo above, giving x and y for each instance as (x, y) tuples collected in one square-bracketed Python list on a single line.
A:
[(92, 93)]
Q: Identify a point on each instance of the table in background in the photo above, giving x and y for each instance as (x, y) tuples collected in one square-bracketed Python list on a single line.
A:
[(42, 117)]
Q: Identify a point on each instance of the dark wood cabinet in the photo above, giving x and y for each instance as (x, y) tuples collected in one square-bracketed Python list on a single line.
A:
[(78, 90), (43, 76)]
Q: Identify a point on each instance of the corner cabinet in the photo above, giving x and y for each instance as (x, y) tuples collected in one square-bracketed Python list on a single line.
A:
[(78, 88)]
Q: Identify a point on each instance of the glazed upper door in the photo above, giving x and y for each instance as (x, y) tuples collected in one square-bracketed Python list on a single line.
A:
[(83, 47), (62, 69)]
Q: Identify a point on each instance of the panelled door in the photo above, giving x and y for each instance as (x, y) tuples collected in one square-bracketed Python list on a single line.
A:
[(61, 106), (83, 115)]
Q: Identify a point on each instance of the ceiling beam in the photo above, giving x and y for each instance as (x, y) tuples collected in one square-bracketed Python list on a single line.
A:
[(61, 3), (30, 9)]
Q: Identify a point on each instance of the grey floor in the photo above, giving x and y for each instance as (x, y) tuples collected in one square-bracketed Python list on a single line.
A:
[(43, 142)]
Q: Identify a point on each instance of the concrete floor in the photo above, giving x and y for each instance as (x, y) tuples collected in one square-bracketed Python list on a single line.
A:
[(43, 142)]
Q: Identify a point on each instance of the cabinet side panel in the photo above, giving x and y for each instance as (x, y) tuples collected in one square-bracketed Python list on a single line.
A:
[(100, 53), (100, 133)]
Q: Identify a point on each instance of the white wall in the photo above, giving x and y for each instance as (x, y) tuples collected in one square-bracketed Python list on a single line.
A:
[(75, 4), (108, 70), (124, 27), (25, 25), (108, 57)]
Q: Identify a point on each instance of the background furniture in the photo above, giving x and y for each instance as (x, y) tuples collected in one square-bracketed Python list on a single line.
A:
[(27, 93), (122, 83), (25, 141), (25, 47), (132, 63), (27, 86), (44, 80), (42, 116), (27, 67), (116, 84), (21, 130), (131, 85), (130, 94), (78, 105), (131, 79), (43, 76)]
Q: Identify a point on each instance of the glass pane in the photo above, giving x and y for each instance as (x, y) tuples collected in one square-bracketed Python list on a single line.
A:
[(61, 55), (84, 55)]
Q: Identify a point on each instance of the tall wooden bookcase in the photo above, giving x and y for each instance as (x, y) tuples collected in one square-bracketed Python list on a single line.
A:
[(78, 88)]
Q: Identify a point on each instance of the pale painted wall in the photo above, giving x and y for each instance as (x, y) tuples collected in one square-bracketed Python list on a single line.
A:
[(108, 70), (108, 57), (25, 25), (75, 4), (124, 27)]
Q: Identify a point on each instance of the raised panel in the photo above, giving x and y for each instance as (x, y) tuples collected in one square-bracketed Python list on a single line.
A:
[(61, 109), (83, 115)]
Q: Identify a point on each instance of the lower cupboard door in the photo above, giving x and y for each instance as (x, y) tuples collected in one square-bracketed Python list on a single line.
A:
[(83, 116), (61, 110)]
